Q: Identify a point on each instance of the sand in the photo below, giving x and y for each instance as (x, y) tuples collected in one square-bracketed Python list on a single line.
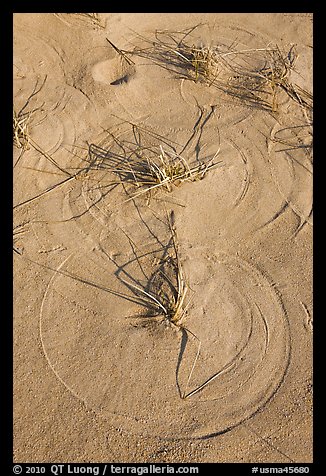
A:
[(100, 371)]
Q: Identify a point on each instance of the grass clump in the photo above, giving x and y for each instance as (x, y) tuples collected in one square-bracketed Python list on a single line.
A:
[(164, 297), (162, 169), (87, 18), (165, 300), (20, 130), (268, 74), (21, 136), (255, 76), (166, 290), (277, 75), (149, 163), (196, 62), (199, 62)]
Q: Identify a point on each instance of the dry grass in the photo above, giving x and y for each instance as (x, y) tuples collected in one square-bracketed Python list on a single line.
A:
[(167, 290), (90, 18), (148, 163), (277, 75), (20, 130), (162, 169), (199, 62), (94, 19), (295, 137), (21, 119), (257, 77), (120, 53), (254, 76), (165, 298), (165, 301), (261, 85)]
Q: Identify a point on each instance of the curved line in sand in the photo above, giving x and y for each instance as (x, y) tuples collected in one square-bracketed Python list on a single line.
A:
[(227, 367), (41, 337)]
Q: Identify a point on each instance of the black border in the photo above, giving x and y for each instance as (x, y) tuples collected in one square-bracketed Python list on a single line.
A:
[(6, 460), (6, 235), (235, 6)]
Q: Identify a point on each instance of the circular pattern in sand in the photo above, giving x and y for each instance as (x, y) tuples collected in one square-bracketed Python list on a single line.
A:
[(196, 112), (161, 59), (36, 55), (290, 160), (242, 192), (140, 374), (98, 349), (103, 196)]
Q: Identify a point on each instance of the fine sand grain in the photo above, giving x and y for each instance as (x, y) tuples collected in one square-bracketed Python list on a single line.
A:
[(162, 237)]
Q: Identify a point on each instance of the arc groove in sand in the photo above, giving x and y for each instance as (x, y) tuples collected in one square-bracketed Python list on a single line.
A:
[(275, 292), (268, 443), (228, 367), (41, 337), (96, 207), (53, 277), (288, 201), (97, 202)]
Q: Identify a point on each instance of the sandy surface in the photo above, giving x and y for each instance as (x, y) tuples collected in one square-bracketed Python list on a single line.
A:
[(95, 380)]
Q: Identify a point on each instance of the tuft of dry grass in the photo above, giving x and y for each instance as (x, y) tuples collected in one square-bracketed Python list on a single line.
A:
[(200, 63), (20, 130), (21, 136), (162, 169), (260, 86), (277, 75), (91, 18), (165, 297), (144, 167), (254, 76), (165, 301)]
